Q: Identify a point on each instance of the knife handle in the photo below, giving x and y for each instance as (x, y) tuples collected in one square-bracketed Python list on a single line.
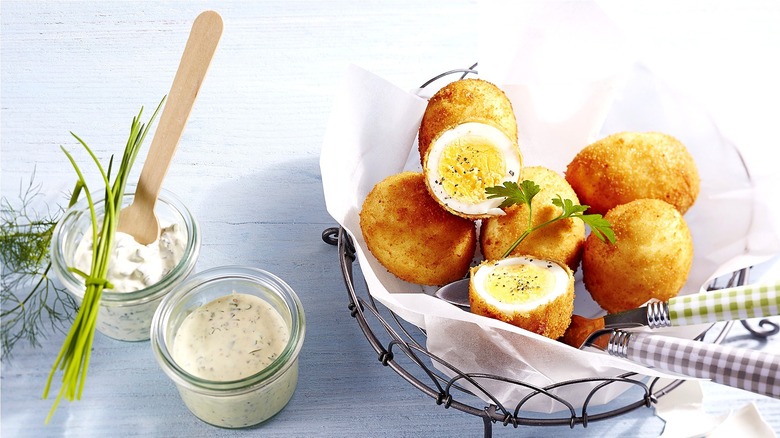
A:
[(741, 302), (755, 371)]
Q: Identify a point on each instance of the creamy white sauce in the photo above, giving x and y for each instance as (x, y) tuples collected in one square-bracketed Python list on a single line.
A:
[(133, 266), (230, 338)]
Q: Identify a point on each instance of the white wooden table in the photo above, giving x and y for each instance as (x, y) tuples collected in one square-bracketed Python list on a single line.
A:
[(248, 166)]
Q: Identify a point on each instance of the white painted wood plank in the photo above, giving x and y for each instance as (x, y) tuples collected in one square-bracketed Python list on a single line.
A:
[(248, 167)]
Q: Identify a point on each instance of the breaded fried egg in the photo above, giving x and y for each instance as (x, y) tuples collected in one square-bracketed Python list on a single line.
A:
[(412, 236), (465, 160), (468, 142), (562, 240), (528, 292)]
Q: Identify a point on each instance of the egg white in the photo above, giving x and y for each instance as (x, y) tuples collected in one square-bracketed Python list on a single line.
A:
[(559, 287), (493, 135)]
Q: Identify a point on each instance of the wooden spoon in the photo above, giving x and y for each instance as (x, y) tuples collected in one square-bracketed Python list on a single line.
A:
[(138, 219)]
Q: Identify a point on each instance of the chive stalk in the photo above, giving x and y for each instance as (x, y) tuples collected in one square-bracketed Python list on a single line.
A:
[(73, 358)]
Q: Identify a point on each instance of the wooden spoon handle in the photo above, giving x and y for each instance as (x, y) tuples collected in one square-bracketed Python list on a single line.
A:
[(201, 45)]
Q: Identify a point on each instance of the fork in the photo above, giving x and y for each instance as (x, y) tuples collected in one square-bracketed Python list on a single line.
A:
[(751, 370)]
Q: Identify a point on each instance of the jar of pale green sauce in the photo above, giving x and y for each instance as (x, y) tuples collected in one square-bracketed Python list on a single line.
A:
[(229, 338)]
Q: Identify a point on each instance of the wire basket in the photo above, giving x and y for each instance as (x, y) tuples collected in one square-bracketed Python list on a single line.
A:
[(401, 347)]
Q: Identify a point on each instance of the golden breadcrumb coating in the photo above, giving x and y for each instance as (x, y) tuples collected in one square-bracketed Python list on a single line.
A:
[(561, 241), (651, 257), (412, 236), (634, 165), (466, 100)]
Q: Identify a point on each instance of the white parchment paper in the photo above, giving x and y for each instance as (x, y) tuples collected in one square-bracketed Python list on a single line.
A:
[(371, 134)]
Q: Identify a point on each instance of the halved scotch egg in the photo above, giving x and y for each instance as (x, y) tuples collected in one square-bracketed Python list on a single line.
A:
[(466, 160), (468, 142), (531, 293)]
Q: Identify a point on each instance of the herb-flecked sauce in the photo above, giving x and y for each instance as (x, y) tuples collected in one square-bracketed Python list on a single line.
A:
[(230, 338), (133, 266)]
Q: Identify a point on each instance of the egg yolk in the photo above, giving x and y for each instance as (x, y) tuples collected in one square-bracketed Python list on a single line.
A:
[(519, 283), (468, 165)]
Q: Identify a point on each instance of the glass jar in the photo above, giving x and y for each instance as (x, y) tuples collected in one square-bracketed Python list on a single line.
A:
[(236, 403), (126, 316)]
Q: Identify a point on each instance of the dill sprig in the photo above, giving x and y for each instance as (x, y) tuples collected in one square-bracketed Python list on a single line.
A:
[(73, 358), (29, 295)]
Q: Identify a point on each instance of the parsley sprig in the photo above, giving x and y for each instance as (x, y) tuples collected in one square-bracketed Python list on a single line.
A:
[(525, 192)]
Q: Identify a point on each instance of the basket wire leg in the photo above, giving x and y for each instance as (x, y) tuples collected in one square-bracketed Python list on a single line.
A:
[(488, 427)]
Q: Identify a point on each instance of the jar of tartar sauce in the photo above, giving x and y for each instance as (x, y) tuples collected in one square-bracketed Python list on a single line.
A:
[(143, 276), (229, 338)]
